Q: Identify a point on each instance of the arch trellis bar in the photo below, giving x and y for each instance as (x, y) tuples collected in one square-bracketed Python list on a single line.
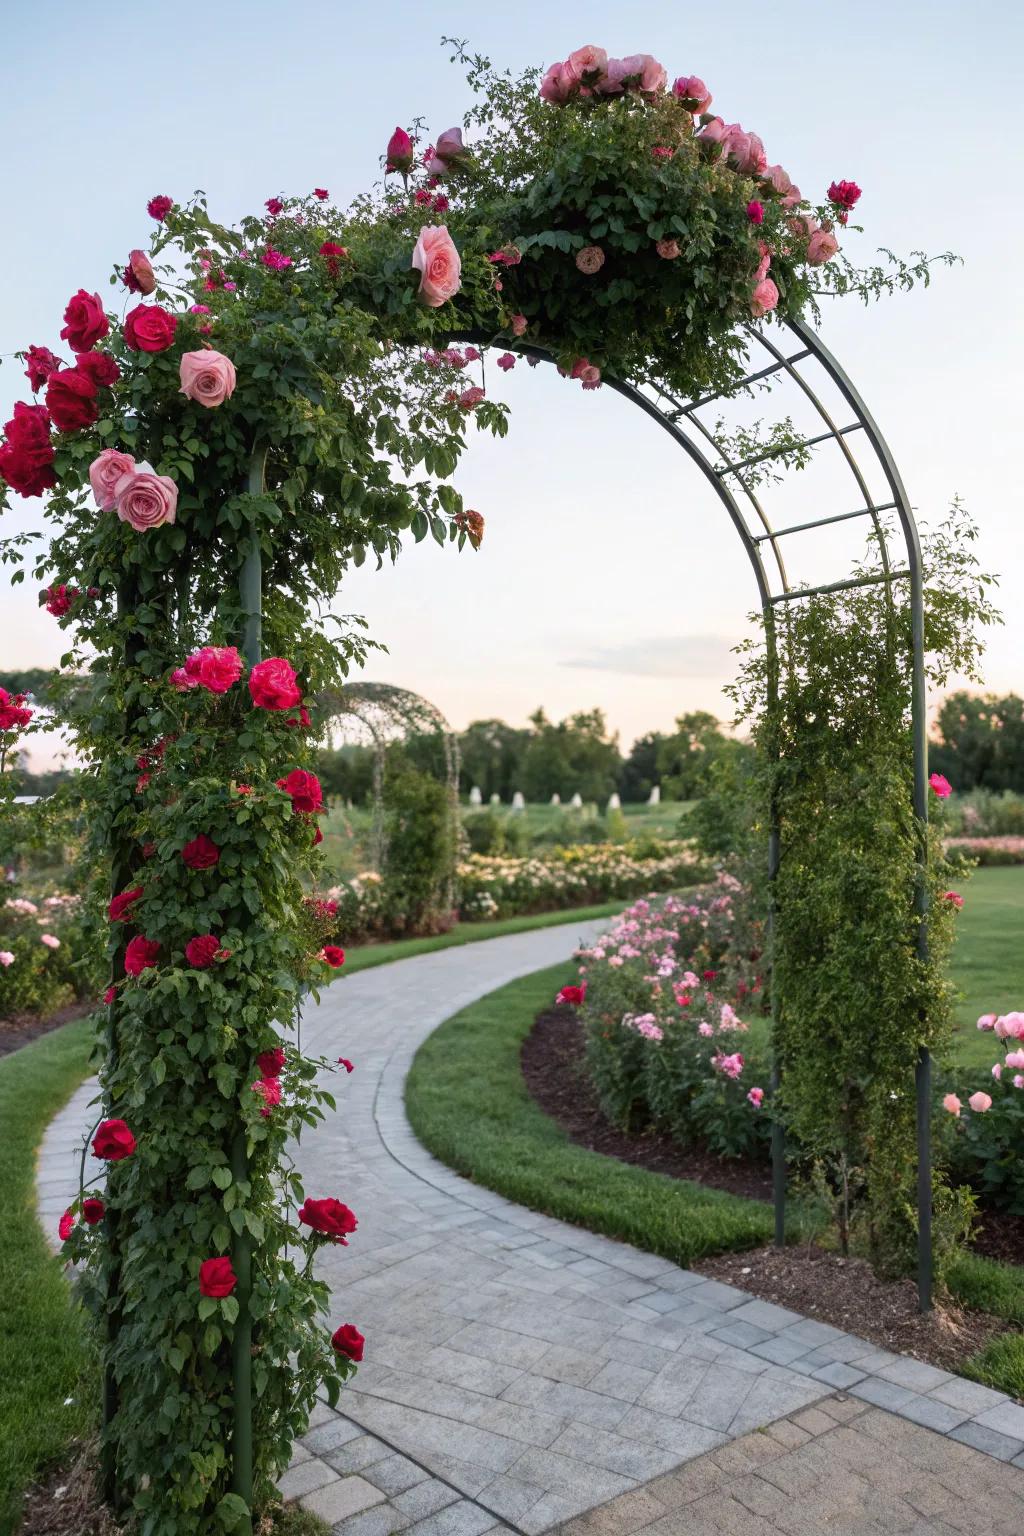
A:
[(791, 352)]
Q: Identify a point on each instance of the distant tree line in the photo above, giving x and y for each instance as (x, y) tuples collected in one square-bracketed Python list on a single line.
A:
[(979, 742)]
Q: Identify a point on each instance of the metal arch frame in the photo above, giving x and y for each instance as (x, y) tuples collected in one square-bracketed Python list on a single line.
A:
[(409, 710), (681, 421)]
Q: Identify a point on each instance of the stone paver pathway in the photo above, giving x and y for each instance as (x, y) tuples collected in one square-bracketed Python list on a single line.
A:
[(520, 1371)]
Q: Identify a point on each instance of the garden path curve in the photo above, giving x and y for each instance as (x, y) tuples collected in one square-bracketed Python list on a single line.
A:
[(520, 1371)]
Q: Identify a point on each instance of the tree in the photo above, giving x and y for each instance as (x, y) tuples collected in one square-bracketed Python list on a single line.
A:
[(574, 757), (980, 741), (685, 759), (640, 769), (491, 756)]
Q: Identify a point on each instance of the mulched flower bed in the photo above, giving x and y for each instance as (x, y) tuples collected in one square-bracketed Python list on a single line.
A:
[(69, 1502), (807, 1279), (22, 1028)]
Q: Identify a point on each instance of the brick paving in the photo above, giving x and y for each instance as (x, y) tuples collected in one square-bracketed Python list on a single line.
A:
[(526, 1374)]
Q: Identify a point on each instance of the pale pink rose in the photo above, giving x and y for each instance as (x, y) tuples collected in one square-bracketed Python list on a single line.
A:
[(668, 250), (145, 499), (745, 151), (1018, 1082), (792, 198), (207, 377), (518, 325), (777, 179), (980, 1102), (821, 247), (590, 378), (50, 940), (590, 259), (705, 1029), (1014, 1059), (987, 1021), (693, 93), (1010, 1026), (6, 958), (585, 66), (639, 70), (756, 1097), (997, 1070), (716, 132), (764, 298), (557, 85), (104, 473), (951, 1103), (764, 263), (438, 263)]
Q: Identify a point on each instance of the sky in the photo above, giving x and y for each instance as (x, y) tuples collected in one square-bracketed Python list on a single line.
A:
[(609, 575)]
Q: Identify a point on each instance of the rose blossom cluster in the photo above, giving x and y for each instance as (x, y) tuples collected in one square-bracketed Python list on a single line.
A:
[(1009, 1029)]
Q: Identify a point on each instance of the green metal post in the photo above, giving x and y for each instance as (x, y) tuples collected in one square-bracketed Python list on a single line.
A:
[(251, 597)]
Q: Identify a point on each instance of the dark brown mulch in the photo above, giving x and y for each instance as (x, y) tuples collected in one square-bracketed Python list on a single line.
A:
[(22, 1028), (553, 1067), (847, 1294), (999, 1236), (68, 1503)]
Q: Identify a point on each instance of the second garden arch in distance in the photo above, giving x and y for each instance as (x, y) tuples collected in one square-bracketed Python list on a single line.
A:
[(801, 358)]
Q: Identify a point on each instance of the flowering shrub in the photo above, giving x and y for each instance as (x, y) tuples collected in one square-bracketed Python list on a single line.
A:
[(502, 886), (47, 955), (988, 1142), (987, 851), (666, 1045)]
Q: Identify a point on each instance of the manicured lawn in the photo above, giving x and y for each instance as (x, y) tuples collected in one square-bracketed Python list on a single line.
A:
[(468, 1104), (988, 960), (44, 1357)]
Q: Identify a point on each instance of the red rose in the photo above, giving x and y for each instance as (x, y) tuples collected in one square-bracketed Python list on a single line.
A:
[(100, 367), (202, 951), (26, 458), (322, 193), (85, 321), (149, 328), (66, 1225), (92, 1210), (201, 853), (119, 910), (573, 995), (347, 1340), (318, 837), (843, 194), (216, 1278), (215, 668), (113, 1141), (41, 363), (333, 956), (348, 1065), (71, 400), (272, 684), (301, 719), (59, 599), (271, 1063), (140, 955), (332, 253), (109, 995), (709, 975), (12, 712), (274, 206), (329, 1217), (305, 791), (159, 207)]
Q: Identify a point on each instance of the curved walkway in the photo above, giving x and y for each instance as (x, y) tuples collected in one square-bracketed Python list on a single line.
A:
[(521, 1371)]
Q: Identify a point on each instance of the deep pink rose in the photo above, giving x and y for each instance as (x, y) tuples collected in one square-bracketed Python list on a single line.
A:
[(71, 400), (41, 363), (149, 328), (145, 500), (104, 473), (203, 950), (821, 247), (439, 265), (399, 152), (272, 684), (215, 668), (26, 456), (845, 194), (693, 93), (138, 276), (586, 66), (207, 377), (764, 298), (755, 212), (99, 367), (85, 321), (159, 207), (557, 86)]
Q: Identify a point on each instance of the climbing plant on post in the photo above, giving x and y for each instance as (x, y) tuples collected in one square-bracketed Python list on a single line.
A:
[(280, 400)]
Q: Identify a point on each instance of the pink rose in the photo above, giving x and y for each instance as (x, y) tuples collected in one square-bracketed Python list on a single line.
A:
[(556, 87), (1014, 1059), (138, 275), (104, 473), (764, 263), (980, 1102), (590, 377), (448, 151), (745, 151), (399, 154), (714, 134), (693, 93), (755, 212), (590, 259), (951, 1104), (438, 263), (145, 499), (821, 247), (764, 298), (668, 250), (776, 178), (207, 377), (639, 70), (519, 323), (756, 1097), (585, 66)]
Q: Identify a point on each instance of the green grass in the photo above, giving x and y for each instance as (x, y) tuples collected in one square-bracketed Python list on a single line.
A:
[(468, 1104), (1000, 1365), (988, 1286), (987, 957), (43, 1343)]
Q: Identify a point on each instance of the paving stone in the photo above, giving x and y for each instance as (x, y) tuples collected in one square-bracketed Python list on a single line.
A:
[(915, 1374), (1006, 1419), (838, 1375), (715, 1294), (884, 1394), (380, 1520), (1004, 1447), (395, 1474), (460, 1519), (331, 1436), (343, 1497), (765, 1314), (304, 1478), (743, 1335), (933, 1415), (969, 1395), (425, 1499), (357, 1454)]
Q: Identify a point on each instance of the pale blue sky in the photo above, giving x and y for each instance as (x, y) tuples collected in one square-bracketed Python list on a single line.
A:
[(608, 575)]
